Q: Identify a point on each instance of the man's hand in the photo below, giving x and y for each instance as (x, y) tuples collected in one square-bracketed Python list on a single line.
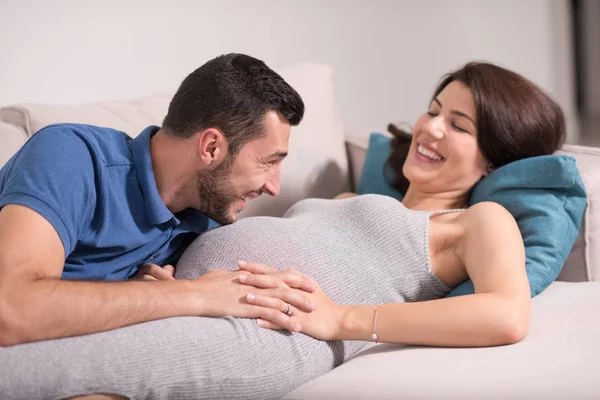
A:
[(227, 293), (153, 272)]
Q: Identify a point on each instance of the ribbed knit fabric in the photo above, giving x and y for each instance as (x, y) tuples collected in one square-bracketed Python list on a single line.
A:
[(363, 250)]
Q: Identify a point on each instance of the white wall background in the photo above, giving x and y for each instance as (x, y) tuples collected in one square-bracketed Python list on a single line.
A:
[(388, 55), (590, 10)]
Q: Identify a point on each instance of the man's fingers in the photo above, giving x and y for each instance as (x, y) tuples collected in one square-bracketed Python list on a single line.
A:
[(292, 296), (157, 272), (143, 273), (266, 324), (271, 315), (265, 301), (256, 268), (279, 319), (170, 269)]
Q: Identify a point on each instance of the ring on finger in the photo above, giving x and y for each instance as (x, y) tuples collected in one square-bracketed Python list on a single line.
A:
[(288, 309)]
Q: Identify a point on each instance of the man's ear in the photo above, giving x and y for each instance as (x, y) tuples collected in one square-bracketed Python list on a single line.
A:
[(212, 146)]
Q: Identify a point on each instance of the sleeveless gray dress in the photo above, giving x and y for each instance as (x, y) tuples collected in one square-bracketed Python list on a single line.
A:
[(363, 250)]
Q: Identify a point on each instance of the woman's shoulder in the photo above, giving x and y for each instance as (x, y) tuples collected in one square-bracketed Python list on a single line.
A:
[(489, 214), (491, 233)]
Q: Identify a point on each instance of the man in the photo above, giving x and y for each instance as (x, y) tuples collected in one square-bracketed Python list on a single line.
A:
[(82, 205)]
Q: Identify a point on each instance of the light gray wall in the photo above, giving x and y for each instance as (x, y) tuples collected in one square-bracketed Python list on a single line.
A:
[(590, 13), (388, 54)]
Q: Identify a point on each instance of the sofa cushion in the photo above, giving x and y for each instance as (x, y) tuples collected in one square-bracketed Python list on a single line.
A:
[(557, 360), (547, 198), (11, 139), (376, 175), (317, 165), (583, 263), (130, 117)]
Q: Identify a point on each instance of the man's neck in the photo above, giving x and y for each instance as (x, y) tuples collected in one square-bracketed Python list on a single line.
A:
[(172, 171)]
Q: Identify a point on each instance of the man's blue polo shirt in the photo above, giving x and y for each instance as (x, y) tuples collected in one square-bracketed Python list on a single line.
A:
[(96, 187)]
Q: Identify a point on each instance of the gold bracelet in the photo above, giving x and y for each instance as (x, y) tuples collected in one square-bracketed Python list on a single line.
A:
[(374, 335)]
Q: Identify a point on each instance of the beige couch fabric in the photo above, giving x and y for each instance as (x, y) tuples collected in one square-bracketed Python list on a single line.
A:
[(11, 139), (130, 117), (557, 360)]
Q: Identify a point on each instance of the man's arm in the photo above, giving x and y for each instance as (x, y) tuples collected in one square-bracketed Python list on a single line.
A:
[(35, 304)]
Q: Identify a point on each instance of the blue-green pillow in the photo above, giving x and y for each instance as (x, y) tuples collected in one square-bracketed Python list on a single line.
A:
[(545, 195), (374, 173)]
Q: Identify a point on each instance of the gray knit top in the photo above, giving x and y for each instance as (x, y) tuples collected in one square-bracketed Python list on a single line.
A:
[(361, 250)]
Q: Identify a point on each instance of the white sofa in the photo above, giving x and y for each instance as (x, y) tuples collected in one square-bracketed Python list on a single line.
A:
[(557, 359)]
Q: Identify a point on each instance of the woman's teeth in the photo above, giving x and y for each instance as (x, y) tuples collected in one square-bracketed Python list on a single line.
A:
[(428, 153)]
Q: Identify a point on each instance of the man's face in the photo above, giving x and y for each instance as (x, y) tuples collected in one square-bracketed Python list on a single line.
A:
[(256, 169)]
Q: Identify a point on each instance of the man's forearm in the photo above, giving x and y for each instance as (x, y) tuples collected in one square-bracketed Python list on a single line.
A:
[(53, 308), (48, 308)]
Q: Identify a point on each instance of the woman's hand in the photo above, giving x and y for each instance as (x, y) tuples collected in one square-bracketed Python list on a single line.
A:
[(323, 322), (263, 276)]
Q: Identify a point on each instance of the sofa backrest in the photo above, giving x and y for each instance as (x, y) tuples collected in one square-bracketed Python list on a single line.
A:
[(317, 165), (11, 139)]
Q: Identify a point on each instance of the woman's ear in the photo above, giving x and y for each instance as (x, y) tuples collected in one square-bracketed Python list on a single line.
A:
[(489, 169)]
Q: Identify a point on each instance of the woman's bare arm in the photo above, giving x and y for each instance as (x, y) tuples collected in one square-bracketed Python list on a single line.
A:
[(497, 314)]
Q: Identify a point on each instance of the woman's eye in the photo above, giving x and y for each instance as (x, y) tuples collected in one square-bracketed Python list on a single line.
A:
[(432, 114), (458, 128)]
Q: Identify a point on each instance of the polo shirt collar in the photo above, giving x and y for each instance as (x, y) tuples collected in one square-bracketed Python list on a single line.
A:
[(157, 211)]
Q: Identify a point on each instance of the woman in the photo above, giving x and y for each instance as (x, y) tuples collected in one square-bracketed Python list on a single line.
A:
[(480, 117), (383, 268)]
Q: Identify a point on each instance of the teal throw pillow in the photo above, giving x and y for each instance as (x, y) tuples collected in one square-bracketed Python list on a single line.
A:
[(545, 195), (374, 173)]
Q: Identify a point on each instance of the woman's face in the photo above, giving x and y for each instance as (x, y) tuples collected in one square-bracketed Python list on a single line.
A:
[(444, 155)]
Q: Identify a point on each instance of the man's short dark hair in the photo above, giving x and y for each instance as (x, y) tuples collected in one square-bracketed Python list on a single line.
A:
[(232, 92)]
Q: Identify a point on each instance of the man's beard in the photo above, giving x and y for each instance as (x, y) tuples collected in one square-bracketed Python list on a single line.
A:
[(216, 192)]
